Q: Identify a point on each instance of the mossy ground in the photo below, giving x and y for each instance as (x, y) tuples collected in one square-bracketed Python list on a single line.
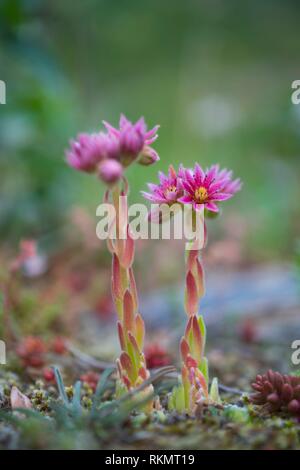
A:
[(236, 424)]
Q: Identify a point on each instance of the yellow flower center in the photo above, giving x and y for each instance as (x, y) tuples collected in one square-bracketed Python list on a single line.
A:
[(201, 194)]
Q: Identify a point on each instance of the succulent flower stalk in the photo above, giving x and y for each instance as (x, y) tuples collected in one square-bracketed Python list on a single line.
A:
[(203, 190), (108, 154), (193, 387), (131, 364)]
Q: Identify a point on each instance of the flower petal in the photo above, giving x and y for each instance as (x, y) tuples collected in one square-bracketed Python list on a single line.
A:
[(153, 187), (188, 187), (112, 130), (199, 174), (123, 121), (152, 132), (153, 197), (221, 196), (185, 199), (211, 206), (197, 207), (211, 174)]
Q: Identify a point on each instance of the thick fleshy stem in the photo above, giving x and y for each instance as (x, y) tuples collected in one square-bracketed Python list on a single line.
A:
[(194, 383), (131, 365)]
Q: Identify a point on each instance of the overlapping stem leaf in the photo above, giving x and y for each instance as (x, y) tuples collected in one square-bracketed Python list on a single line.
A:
[(131, 364), (194, 373)]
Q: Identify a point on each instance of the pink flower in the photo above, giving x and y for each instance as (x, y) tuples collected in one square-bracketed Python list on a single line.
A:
[(208, 187), (168, 191), (132, 138), (89, 149), (109, 151)]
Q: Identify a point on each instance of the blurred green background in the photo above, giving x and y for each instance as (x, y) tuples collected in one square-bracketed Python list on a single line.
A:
[(216, 75)]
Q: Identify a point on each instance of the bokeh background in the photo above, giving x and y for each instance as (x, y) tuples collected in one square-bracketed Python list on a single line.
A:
[(215, 75)]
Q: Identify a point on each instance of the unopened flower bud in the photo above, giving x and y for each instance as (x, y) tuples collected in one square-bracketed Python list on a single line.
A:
[(148, 156)]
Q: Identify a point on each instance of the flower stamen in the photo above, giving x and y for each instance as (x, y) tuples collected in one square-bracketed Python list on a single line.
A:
[(170, 189)]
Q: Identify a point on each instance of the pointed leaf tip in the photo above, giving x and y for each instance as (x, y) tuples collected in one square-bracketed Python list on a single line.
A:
[(191, 294)]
